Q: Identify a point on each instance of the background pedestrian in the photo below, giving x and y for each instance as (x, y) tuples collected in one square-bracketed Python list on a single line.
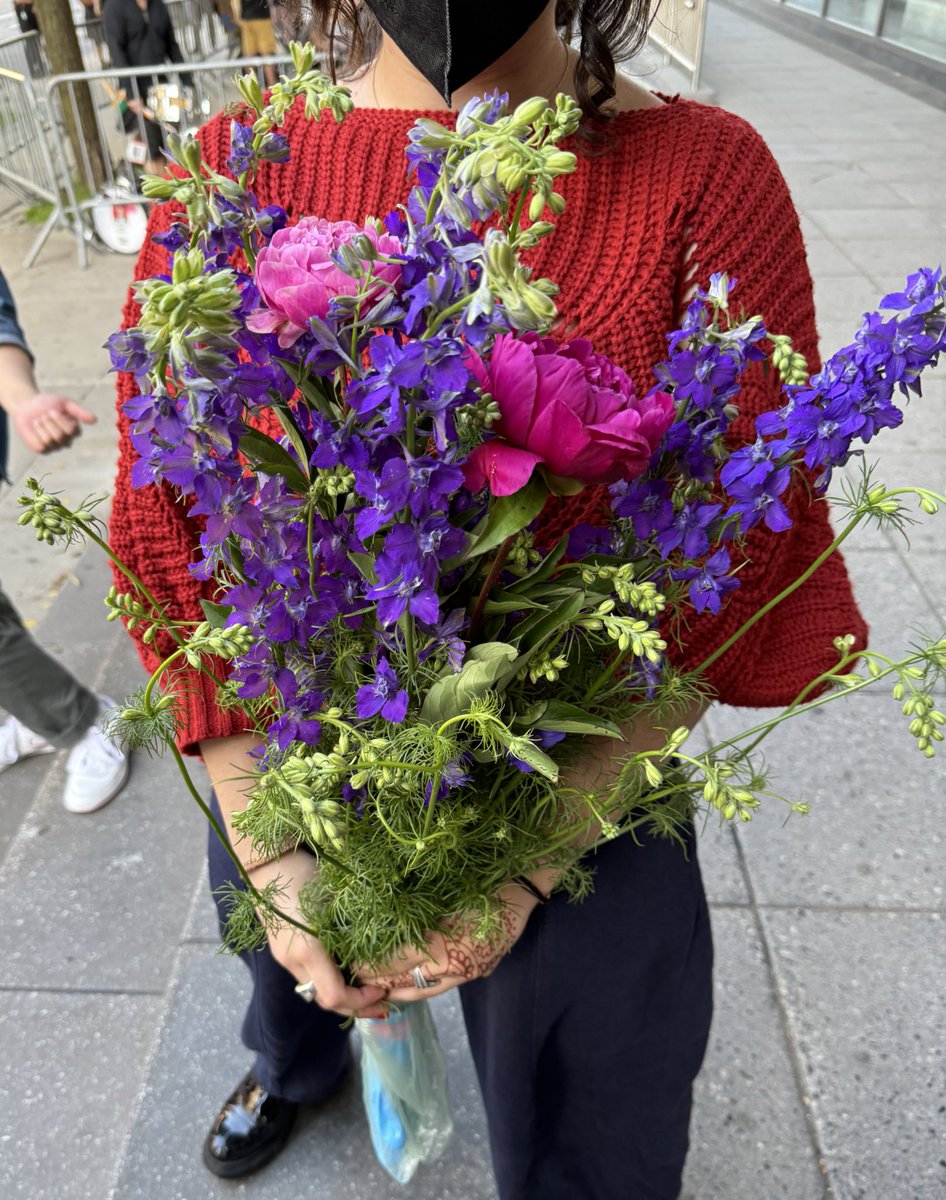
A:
[(49, 708)]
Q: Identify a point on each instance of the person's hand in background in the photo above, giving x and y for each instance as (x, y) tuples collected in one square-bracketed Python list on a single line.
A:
[(43, 420)]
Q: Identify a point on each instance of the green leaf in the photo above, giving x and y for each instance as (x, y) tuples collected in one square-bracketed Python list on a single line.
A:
[(268, 456), (508, 515), (486, 666), (524, 748), (560, 717), (216, 614), (503, 603), (531, 632), (365, 564)]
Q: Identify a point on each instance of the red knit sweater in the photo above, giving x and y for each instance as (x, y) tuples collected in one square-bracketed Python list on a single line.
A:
[(676, 176)]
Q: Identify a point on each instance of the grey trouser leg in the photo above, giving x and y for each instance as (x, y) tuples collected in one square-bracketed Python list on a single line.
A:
[(35, 689)]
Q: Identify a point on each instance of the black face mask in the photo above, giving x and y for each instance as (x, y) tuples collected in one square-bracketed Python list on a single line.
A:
[(451, 41)]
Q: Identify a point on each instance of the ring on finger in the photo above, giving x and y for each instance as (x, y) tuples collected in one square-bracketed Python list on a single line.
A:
[(306, 991), (421, 982)]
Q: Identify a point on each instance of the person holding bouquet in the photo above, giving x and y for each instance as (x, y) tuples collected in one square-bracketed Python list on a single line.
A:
[(589, 1023)]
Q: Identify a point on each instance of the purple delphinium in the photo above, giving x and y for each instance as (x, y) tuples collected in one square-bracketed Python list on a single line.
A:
[(710, 583), (384, 696)]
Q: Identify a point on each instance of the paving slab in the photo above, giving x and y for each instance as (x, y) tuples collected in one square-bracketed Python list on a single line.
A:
[(199, 1059), (896, 610), (864, 993), (124, 879), (72, 1067), (875, 835), (750, 1138)]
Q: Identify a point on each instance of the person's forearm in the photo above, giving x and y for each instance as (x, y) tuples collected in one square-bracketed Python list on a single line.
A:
[(232, 771), (17, 382), (599, 768)]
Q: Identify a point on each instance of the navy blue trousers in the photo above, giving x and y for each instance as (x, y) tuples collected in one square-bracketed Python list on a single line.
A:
[(586, 1037)]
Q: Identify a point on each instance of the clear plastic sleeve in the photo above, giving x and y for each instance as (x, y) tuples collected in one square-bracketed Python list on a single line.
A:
[(404, 1085)]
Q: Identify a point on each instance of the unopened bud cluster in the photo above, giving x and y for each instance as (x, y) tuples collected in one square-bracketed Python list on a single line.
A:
[(729, 800), (791, 364), (926, 721), (522, 553), (229, 642), (528, 303), (547, 667), (642, 597), (477, 417), (333, 482), (193, 313), (51, 519)]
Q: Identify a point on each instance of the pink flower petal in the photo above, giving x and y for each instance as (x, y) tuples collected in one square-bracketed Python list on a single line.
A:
[(559, 435), (505, 468), (513, 380)]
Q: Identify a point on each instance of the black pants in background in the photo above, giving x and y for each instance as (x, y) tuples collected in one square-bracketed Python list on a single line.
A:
[(586, 1037)]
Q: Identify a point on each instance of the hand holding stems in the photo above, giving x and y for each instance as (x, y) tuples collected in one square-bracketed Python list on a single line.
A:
[(231, 766), (454, 953), (43, 420), (303, 955)]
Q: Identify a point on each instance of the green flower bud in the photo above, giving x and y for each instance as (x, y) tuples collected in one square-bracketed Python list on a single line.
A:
[(654, 776), (560, 162), (249, 88), (529, 111)]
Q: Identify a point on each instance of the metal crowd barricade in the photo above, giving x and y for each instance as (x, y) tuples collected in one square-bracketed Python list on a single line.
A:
[(101, 181), (27, 166)]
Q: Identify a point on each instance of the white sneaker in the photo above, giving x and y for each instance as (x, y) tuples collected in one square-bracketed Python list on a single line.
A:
[(97, 769), (16, 742)]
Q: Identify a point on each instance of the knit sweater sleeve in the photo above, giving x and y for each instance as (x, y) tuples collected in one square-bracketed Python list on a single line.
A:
[(743, 221), (152, 533)]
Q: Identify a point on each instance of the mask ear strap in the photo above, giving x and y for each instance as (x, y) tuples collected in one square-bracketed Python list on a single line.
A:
[(448, 57)]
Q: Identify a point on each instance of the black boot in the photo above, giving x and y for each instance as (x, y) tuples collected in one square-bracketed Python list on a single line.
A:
[(250, 1130)]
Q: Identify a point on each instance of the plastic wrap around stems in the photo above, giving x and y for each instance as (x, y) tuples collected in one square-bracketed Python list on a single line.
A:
[(404, 1085)]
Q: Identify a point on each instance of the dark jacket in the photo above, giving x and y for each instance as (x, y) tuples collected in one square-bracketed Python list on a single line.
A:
[(10, 335), (139, 38)]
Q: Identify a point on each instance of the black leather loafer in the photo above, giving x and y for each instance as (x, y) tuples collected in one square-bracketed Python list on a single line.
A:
[(250, 1130)]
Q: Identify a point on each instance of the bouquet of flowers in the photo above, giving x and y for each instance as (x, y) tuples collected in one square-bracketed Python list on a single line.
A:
[(370, 420)]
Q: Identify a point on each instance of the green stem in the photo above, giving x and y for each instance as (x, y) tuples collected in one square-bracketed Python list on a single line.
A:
[(447, 313), (824, 677), (397, 837), (603, 678), (768, 725), (513, 231), (407, 624), (225, 842), (783, 594), (310, 542), (150, 686), (165, 620), (493, 574)]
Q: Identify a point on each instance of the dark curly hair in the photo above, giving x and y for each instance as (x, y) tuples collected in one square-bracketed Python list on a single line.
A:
[(607, 32)]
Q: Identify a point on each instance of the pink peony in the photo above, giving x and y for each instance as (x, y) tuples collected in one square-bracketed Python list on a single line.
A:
[(566, 407), (297, 278)]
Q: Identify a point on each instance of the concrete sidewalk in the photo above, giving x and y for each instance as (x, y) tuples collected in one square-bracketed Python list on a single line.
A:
[(119, 1023)]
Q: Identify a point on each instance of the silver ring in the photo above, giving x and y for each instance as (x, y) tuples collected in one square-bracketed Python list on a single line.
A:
[(306, 991), (421, 982)]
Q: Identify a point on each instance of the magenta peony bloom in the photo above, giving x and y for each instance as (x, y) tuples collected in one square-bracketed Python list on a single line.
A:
[(297, 278), (566, 407)]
